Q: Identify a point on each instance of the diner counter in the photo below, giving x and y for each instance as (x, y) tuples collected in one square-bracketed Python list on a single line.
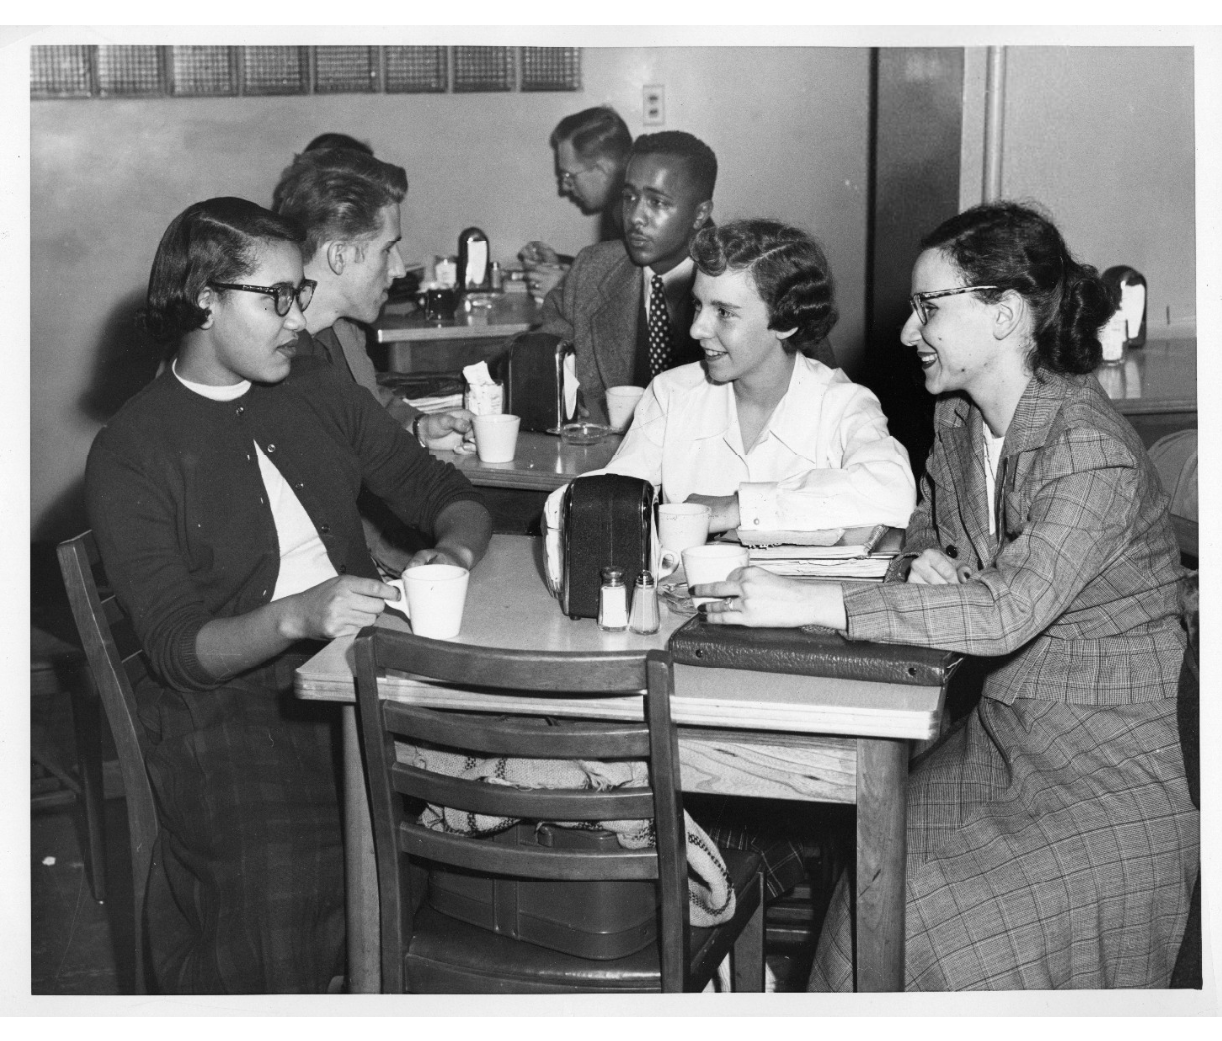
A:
[(508, 605), (504, 315), (542, 463), (476, 333), (1160, 377)]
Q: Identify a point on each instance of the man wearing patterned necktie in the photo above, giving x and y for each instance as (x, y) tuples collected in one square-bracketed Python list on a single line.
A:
[(627, 305)]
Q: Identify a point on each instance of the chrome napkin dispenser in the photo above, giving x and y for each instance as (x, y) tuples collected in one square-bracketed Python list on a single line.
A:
[(605, 519), (540, 383)]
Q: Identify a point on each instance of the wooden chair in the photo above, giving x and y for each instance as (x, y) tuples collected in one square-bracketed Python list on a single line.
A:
[(116, 663), (426, 951)]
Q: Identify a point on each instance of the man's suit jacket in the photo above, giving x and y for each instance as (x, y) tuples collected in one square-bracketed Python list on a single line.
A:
[(354, 359), (600, 307)]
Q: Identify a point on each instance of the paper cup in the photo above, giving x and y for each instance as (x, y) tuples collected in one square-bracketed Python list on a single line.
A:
[(682, 525), (496, 438), (704, 564), (621, 403), (434, 597)]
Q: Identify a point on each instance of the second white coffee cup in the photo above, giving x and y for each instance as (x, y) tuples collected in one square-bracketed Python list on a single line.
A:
[(621, 403), (682, 525), (496, 437), (434, 598), (704, 564)]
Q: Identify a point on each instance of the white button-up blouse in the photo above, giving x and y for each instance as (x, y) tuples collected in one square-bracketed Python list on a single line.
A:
[(824, 459)]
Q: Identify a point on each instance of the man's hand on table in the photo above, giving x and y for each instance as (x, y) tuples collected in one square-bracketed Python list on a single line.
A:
[(462, 557), (448, 431), (755, 597), (723, 511)]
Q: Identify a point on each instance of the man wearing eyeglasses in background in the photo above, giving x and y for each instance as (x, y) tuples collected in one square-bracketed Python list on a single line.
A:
[(591, 153), (348, 204), (626, 305)]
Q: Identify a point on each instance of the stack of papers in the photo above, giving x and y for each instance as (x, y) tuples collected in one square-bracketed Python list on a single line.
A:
[(853, 554), (439, 403)]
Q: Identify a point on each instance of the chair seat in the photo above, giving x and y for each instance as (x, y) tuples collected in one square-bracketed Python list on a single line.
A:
[(447, 956)]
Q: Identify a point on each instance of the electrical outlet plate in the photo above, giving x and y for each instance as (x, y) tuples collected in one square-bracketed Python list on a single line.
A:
[(653, 105)]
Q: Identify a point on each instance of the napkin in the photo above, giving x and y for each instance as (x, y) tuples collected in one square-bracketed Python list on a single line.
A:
[(484, 393), (570, 385)]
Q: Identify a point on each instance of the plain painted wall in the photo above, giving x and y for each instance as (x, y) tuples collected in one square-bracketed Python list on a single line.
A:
[(789, 126), (1103, 137)]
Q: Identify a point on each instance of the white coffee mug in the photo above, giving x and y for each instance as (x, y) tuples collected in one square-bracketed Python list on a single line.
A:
[(712, 563), (665, 561), (683, 524), (496, 437), (434, 596), (621, 403)]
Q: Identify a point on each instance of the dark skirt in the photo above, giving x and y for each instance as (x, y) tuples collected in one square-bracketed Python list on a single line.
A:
[(1050, 845), (246, 893)]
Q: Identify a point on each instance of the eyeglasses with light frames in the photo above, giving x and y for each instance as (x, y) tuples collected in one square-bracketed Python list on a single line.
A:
[(568, 178), (284, 293), (918, 300)]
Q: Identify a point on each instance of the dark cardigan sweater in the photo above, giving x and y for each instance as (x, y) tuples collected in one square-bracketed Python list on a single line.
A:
[(180, 511)]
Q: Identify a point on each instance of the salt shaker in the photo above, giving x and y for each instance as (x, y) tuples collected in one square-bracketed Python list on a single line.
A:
[(613, 601), (644, 604)]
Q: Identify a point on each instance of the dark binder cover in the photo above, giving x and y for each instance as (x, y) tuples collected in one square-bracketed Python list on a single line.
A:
[(806, 652)]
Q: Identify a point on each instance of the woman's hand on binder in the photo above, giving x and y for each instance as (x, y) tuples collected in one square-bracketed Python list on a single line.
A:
[(935, 568), (755, 597)]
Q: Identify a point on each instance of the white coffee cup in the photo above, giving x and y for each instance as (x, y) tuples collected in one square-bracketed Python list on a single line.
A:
[(433, 599), (496, 437), (621, 403), (665, 561), (682, 525), (712, 563)]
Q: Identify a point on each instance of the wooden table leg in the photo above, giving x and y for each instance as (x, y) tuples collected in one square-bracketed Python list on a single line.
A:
[(882, 774), (360, 866)]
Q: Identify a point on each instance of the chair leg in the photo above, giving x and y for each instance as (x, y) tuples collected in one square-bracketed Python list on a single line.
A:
[(747, 957), (87, 722)]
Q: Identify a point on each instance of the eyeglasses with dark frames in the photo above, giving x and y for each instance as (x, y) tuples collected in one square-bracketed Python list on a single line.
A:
[(284, 293), (918, 300)]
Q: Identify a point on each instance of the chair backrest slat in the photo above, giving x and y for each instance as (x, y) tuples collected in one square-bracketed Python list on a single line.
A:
[(552, 864), (597, 672), (532, 739), (502, 800), (111, 671)]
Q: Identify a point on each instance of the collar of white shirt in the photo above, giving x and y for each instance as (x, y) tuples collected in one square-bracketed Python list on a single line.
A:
[(789, 422), (682, 270), (206, 390)]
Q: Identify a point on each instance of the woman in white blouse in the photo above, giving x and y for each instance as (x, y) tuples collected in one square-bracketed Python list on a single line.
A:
[(769, 438)]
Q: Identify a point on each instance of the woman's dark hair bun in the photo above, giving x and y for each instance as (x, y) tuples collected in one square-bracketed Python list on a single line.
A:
[(1017, 247)]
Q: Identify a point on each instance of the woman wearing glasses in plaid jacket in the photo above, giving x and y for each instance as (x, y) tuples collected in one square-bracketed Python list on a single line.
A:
[(1051, 839)]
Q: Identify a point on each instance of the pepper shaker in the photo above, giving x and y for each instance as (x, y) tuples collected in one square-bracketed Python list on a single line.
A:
[(644, 618)]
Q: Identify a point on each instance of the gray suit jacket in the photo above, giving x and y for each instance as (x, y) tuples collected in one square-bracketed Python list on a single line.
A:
[(598, 306)]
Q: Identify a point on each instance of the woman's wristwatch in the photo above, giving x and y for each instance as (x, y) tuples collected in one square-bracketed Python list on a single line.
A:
[(416, 430)]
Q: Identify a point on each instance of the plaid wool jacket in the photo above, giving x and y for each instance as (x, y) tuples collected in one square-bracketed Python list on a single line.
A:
[(1076, 596)]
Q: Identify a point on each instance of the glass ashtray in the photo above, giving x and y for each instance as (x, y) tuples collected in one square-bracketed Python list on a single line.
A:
[(583, 433)]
